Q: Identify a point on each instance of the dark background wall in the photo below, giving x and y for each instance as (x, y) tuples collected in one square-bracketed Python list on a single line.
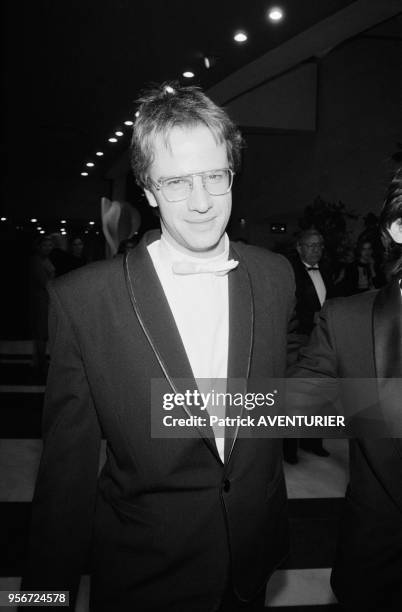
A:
[(346, 158)]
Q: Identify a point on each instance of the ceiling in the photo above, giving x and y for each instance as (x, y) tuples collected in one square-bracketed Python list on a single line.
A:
[(73, 68)]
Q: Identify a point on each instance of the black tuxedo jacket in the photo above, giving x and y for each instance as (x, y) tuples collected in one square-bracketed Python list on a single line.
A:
[(361, 337), (307, 302), (166, 522)]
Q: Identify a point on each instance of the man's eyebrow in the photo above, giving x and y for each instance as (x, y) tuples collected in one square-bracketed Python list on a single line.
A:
[(163, 178)]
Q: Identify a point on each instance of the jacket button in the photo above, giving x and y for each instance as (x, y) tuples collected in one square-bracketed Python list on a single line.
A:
[(226, 485)]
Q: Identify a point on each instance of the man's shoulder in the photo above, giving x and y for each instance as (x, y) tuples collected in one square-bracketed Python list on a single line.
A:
[(261, 257), (346, 307), (89, 278)]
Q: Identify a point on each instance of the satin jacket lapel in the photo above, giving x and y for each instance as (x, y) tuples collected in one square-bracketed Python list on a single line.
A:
[(156, 319), (387, 330), (241, 329)]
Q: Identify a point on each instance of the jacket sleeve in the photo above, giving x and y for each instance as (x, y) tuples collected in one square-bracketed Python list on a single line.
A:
[(64, 499), (313, 384)]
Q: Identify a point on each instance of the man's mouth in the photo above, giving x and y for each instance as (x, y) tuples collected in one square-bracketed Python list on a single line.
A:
[(200, 221)]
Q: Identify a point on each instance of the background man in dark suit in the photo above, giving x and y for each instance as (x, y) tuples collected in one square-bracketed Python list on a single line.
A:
[(313, 280), (194, 524), (313, 286), (360, 337)]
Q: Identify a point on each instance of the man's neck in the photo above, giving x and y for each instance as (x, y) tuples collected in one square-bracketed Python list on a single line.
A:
[(216, 252)]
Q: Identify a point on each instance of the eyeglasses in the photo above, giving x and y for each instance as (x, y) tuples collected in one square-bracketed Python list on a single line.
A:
[(314, 245), (177, 188)]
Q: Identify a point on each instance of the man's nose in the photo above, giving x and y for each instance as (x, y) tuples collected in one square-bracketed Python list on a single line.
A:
[(199, 199)]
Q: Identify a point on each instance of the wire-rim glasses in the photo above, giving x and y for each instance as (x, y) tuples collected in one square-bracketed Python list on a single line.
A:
[(177, 188)]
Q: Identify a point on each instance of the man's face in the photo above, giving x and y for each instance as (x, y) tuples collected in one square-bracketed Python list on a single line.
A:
[(195, 225), (310, 249)]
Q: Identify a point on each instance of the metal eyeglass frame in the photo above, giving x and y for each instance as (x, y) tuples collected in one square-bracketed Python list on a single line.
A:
[(159, 184)]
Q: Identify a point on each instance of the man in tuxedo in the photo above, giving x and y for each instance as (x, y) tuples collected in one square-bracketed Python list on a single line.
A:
[(193, 524), (360, 337), (313, 285), (313, 280)]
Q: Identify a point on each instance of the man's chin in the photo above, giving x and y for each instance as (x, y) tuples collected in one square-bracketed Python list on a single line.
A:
[(207, 246)]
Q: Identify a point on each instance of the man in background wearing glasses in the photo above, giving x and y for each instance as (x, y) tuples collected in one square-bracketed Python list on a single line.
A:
[(180, 525)]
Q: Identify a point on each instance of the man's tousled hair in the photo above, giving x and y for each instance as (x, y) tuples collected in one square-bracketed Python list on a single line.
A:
[(170, 105), (392, 211)]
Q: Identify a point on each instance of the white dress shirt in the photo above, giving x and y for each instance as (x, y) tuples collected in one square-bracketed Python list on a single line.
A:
[(200, 307), (318, 282)]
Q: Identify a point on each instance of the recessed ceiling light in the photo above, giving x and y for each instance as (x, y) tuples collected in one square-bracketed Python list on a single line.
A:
[(129, 123), (42, 232), (240, 37), (92, 223), (99, 153), (84, 173), (188, 74), (207, 63), (275, 14), (33, 220), (137, 114), (168, 88), (3, 219), (39, 227), (119, 133), (112, 139), (90, 164), (63, 221)]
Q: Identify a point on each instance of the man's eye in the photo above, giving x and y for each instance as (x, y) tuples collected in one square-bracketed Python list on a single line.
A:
[(215, 177), (175, 183)]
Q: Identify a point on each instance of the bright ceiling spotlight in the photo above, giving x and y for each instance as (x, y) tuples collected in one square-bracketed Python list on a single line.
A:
[(137, 114), (90, 164), (92, 223), (99, 153), (42, 232), (168, 89), (33, 220), (63, 221), (240, 37), (188, 74), (112, 139), (119, 133), (3, 219), (275, 14), (84, 173), (207, 63), (128, 122)]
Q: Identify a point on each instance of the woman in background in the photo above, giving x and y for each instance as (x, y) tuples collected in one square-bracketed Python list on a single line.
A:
[(364, 273)]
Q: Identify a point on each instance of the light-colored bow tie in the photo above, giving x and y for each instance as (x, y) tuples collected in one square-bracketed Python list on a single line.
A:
[(219, 268)]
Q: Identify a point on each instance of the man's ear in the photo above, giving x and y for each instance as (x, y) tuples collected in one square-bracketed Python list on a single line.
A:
[(395, 231), (151, 198)]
